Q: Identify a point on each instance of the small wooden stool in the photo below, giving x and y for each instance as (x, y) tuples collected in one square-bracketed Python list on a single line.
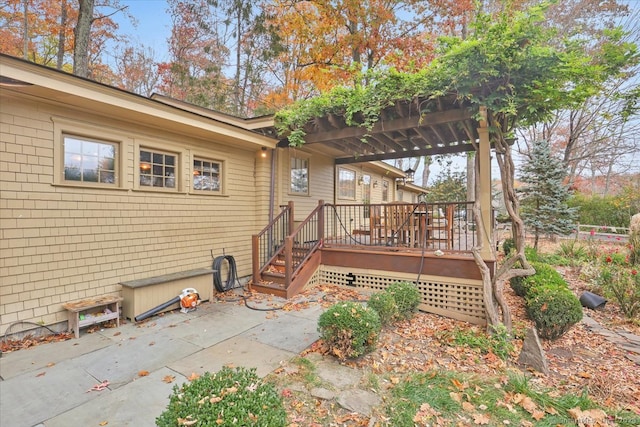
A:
[(91, 311)]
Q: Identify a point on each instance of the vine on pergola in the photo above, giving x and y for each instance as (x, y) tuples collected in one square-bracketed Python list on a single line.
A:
[(514, 72)]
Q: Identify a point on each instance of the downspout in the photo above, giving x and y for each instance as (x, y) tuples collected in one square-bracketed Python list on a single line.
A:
[(272, 185)]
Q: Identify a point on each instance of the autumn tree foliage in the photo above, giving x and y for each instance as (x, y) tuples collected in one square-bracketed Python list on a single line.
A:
[(43, 31), (331, 43)]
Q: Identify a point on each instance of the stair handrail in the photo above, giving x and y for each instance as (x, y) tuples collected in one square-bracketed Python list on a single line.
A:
[(260, 260), (293, 266)]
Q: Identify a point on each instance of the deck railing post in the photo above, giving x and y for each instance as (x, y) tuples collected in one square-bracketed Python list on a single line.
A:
[(321, 222), (291, 224), (288, 260)]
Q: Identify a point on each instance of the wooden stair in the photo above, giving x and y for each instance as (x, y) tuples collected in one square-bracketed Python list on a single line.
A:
[(273, 280)]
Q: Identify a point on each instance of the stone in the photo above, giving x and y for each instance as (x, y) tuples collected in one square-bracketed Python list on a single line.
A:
[(322, 393), (360, 401), (532, 354)]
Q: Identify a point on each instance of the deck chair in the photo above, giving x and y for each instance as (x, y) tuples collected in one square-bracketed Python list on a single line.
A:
[(441, 229), (401, 224)]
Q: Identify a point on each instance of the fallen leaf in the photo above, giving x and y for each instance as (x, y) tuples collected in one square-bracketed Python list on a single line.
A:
[(460, 386), (116, 334), (468, 407), (41, 374), (215, 399), (480, 419), (537, 415), (168, 379), (104, 423), (193, 376), (187, 421), (152, 343), (50, 364), (99, 387), (456, 396), (143, 373)]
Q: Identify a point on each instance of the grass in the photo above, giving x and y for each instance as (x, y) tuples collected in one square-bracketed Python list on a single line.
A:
[(450, 398)]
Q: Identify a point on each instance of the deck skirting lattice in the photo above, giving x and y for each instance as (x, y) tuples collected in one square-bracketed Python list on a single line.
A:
[(456, 298)]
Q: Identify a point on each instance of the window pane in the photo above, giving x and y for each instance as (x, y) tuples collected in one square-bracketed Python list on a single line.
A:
[(206, 175), (299, 176), (89, 161), (346, 184), (157, 169)]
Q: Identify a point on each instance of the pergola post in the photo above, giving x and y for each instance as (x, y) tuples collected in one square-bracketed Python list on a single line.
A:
[(484, 176)]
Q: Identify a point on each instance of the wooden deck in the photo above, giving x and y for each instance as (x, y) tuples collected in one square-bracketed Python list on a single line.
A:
[(373, 246)]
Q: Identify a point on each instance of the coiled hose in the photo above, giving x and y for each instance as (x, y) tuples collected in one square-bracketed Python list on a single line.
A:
[(232, 273)]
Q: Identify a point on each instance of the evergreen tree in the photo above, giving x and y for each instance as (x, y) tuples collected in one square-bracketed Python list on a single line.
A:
[(544, 195)]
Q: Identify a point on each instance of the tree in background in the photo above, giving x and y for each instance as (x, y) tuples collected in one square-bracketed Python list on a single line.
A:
[(599, 136), (449, 185), (544, 195)]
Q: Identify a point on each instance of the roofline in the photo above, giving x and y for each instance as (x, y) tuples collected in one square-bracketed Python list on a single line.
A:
[(15, 70)]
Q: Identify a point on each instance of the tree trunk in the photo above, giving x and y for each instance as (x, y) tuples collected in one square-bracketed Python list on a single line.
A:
[(62, 34), (81, 33)]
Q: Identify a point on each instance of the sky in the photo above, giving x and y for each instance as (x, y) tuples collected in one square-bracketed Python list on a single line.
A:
[(153, 24)]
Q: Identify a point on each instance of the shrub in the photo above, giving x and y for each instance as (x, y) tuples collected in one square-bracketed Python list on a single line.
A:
[(349, 329), (385, 305), (545, 274), (554, 309), (228, 397), (622, 284), (407, 297)]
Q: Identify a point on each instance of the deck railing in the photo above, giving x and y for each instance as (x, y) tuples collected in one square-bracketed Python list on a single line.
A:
[(271, 239), (432, 226)]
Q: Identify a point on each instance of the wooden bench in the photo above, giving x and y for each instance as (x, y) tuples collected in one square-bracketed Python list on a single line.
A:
[(91, 311), (142, 295)]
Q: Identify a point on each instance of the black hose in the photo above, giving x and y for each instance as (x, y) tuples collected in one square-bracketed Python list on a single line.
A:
[(232, 273)]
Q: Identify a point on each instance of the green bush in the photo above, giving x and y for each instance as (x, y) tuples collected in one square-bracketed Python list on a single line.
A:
[(553, 308), (621, 282), (228, 397), (407, 297), (349, 329), (545, 274), (385, 305)]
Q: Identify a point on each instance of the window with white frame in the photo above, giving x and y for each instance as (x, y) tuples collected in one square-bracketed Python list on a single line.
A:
[(299, 175), (158, 169), (207, 175), (90, 161), (346, 184)]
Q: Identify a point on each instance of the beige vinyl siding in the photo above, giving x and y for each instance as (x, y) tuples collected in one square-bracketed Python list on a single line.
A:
[(60, 243), (321, 182)]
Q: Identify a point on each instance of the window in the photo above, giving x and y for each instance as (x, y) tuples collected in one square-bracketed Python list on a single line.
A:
[(90, 161), (346, 184), (207, 175), (157, 169), (366, 194), (385, 190), (299, 175)]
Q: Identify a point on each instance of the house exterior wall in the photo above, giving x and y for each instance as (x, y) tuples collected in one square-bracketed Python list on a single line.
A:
[(63, 242), (321, 181)]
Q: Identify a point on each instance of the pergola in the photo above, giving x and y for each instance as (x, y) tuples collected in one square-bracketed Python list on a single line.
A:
[(423, 126)]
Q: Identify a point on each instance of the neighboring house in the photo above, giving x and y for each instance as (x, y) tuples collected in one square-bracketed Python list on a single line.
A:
[(99, 186)]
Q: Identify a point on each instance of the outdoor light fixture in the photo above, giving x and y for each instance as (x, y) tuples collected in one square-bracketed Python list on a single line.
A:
[(409, 175), (263, 152), (375, 184), (361, 180)]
